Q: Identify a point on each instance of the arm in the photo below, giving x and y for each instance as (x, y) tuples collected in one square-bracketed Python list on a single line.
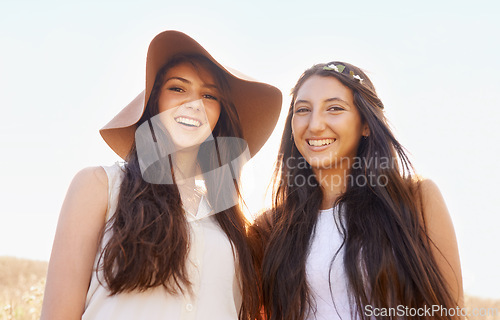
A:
[(442, 234), (75, 245)]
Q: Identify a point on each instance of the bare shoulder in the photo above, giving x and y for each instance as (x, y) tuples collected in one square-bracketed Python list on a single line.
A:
[(85, 206), (439, 227), (428, 184), (429, 188), (89, 187), (86, 201), (92, 177), (433, 203), (436, 216)]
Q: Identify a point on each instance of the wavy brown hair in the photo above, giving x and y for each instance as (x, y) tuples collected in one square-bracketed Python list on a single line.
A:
[(387, 252), (149, 232)]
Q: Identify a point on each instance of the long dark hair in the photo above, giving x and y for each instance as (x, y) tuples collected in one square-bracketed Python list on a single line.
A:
[(387, 252), (149, 239)]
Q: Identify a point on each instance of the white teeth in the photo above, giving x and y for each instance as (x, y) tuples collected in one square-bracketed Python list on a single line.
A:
[(187, 121), (321, 142)]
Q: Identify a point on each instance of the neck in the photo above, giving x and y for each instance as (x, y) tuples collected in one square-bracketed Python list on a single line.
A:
[(333, 184), (185, 165), (186, 169)]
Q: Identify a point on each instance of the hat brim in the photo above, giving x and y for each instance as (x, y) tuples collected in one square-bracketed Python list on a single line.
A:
[(258, 104)]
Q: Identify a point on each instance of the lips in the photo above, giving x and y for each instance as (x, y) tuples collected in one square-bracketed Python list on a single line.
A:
[(188, 121), (320, 142)]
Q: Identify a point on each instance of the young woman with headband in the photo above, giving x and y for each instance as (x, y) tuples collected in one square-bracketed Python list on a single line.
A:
[(353, 233)]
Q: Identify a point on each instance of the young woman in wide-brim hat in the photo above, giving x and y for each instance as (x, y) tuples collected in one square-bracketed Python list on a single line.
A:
[(130, 245)]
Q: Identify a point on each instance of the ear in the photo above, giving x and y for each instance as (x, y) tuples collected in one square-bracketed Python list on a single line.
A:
[(366, 130)]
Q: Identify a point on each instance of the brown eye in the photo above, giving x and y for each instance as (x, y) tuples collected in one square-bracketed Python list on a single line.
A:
[(335, 108), (209, 96), (301, 110), (176, 89)]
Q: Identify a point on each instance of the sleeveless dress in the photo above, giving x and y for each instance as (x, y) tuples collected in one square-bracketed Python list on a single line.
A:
[(211, 266), (325, 242)]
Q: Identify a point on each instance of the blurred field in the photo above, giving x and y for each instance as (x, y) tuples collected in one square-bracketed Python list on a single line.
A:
[(482, 305), (22, 283), (21, 288)]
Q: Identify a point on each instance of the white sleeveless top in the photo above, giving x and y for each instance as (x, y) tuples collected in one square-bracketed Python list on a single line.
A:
[(211, 267), (325, 242)]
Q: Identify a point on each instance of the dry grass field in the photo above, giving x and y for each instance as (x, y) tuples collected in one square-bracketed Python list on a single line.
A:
[(21, 288), (22, 283)]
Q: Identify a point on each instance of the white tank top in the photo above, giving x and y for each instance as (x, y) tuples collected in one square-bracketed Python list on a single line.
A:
[(212, 271), (325, 242)]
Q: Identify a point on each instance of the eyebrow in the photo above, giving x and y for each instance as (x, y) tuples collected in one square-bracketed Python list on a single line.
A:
[(327, 100), (205, 85), (337, 99)]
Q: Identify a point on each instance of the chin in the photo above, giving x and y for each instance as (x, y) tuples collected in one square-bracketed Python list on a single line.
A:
[(186, 146), (320, 162)]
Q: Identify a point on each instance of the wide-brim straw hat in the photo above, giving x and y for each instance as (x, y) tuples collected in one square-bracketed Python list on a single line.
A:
[(258, 104)]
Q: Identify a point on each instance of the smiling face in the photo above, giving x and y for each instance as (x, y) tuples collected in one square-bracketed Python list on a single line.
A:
[(326, 124), (188, 104)]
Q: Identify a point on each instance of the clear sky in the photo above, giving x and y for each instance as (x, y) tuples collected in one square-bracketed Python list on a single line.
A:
[(67, 68)]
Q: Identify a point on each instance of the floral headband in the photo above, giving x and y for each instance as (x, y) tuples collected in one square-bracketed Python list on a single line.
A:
[(340, 68)]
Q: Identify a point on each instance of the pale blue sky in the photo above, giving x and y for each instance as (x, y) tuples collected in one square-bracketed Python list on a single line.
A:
[(67, 68)]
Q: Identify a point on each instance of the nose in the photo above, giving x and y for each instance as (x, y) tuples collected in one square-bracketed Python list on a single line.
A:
[(193, 103), (316, 122)]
